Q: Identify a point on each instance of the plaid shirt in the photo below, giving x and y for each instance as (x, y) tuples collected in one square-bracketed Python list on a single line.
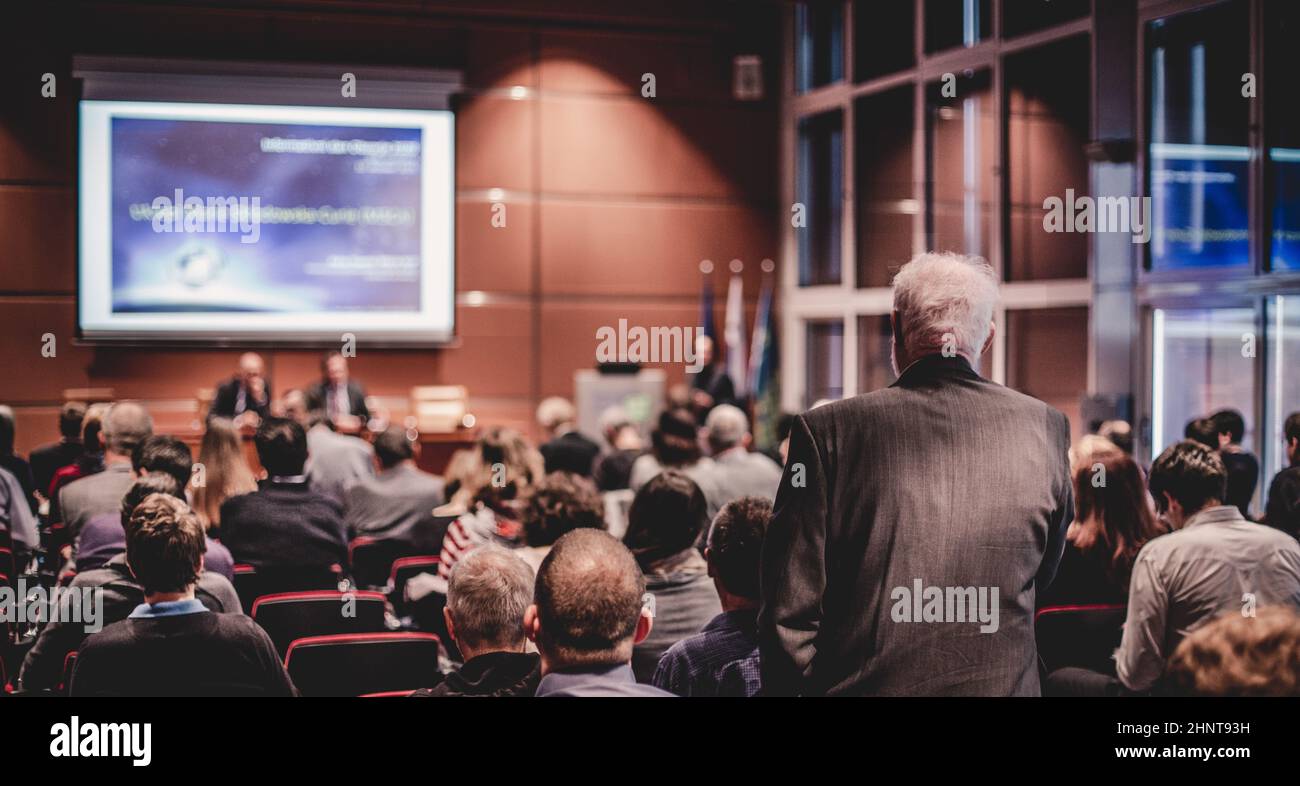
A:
[(721, 660)]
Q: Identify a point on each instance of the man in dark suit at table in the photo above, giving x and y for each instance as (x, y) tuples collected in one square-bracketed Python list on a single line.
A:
[(337, 395), (914, 525), (566, 450), (245, 397)]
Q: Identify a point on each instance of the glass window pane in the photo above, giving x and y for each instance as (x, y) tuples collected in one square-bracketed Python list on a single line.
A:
[(1283, 378), (1026, 16), (1198, 154), (821, 192), (884, 38), (954, 23), (960, 164), (886, 199), (1048, 98), (1047, 357), (1198, 366), (819, 44), (824, 362), (1282, 23), (875, 364)]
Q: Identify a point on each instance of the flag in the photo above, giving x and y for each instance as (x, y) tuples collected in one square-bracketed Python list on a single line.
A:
[(734, 333), (706, 308), (764, 388)]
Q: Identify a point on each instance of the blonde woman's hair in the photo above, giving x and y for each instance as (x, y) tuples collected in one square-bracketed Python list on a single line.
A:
[(225, 472)]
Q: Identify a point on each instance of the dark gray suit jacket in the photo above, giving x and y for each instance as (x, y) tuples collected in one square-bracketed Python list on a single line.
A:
[(944, 477)]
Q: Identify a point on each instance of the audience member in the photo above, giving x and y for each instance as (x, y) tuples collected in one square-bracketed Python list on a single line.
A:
[(172, 645), (14, 463), (49, 458), (560, 503), (1119, 433), (507, 469), (1242, 466), (667, 519), (674, 444), (736, 472), (338, 397), (1202, 568), (613, 470), (566, 448), (1239, 655), (125, 426), (121, 592), (1113, 520), (16, 515), (489, 592), (337, 461), (245, 398), (396, 501), (943, 479), (1282, 510), (588, 613), (90, 462), (722, 659), (225, 474), (1202, 430), (284, 525)]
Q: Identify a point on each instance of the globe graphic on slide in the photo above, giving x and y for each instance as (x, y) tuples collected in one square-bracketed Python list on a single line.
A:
[(199, 267)]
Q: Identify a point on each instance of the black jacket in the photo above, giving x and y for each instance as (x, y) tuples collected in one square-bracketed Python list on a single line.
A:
[(226, 400), (356, 399), (496, 674), (43, 666), (284, 525), (48, 459), (570, 452)]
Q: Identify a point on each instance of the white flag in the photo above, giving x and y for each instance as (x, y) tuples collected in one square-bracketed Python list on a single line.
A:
[(734, 335)]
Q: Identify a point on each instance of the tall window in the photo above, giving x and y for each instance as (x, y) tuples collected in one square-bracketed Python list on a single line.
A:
[(1283, 165), (821, 193), (824, 354), (885, 187), (954, 23), (961, 161), (819, 28)]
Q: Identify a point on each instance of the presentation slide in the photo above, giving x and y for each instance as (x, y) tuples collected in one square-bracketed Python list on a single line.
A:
[(206, 221)]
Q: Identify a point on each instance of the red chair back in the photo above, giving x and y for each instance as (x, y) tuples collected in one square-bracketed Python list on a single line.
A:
[(358, 664), (287, 616)]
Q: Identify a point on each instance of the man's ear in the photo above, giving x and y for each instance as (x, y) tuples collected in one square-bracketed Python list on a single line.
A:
[(988, 342), (451, 622), (643, 625), (532, 625), (708, 553)]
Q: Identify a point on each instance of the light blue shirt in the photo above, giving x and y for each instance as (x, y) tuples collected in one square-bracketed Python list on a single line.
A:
[(168, 608)]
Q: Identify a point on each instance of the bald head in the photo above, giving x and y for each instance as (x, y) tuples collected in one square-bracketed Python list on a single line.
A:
[(126, 425), (588, 601), (250, 365)]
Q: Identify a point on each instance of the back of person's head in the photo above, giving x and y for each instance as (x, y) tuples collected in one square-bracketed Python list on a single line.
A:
[(126, 425), (93, 425), (164, 544), (554, 412), (225, 471), (1202, 430), (735, 544), (1237, 655), (509, 464), (392, 447), (1088, 450), (945, 300), (162, 453), (1230, 422), (488, 593), (727, 427), (160, 483), (675, 441), (295, 406), (281, 447), (1191, 473), (70, 417), (1119, 432), (1291, 430), (589, 597), (7, 430), (561, 503), (667, 517), (1112, 511), (614, 419)]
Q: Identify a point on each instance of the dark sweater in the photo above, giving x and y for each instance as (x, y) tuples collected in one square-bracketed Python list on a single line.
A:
[(496, 674), (1084, 578), (284, 525), (199, 654)]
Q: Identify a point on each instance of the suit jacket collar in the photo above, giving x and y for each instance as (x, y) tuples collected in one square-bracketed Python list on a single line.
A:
[(934, 367)]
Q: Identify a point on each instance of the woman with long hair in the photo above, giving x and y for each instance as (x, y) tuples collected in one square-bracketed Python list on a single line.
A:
[(1114, 519), (225, 473)]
